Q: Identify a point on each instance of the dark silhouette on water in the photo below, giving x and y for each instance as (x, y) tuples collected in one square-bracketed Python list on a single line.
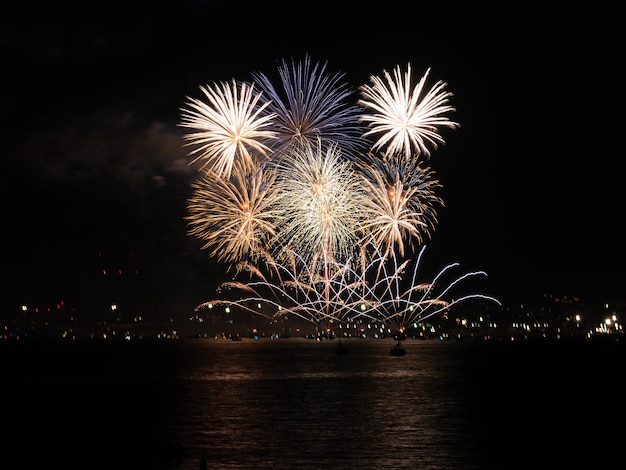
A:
[(398, 350), (341, 349)]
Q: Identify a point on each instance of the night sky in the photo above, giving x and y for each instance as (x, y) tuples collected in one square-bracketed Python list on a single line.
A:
[(95, 175)]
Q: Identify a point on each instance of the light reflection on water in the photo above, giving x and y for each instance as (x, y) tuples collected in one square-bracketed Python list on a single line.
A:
[(294, 403)]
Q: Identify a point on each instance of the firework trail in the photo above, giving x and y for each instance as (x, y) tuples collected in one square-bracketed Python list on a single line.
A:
[(383, 288), (398, 301), (288, 288)]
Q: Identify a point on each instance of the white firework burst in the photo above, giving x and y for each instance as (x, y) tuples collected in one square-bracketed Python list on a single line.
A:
[(320, 199), (407, 121), (227, 127)]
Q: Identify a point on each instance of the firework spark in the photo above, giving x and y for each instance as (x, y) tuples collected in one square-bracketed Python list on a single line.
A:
[(399, 302), (228, 126), (233, 216), (380, 292), (408, 122), (401, 204), (311, 105), (290, 289), (320, 199)]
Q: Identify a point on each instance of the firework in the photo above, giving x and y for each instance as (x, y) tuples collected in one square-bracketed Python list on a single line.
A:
[(233, 215), (311, 105), (381, 292), (228, 127), (406, 121), (293, 195), (293, 288), (320, 199), (401, 207), (399, 302)]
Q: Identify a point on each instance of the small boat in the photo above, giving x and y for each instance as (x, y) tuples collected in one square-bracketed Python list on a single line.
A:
[(398, 350)]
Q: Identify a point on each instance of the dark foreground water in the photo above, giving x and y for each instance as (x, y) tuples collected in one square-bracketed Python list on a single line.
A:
[(294, 403)]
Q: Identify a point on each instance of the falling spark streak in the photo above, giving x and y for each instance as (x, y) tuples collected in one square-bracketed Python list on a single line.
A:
[(407, 121), (227, 126), (304, 294), (289, 289), (398, 307)]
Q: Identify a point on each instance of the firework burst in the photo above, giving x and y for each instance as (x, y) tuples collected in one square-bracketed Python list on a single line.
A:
[(228, 127), (233, 216), (401, 207), (311, 105), (406, 121), (320, 200)]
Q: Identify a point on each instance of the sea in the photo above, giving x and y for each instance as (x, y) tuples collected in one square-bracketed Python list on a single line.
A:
[(295, 403)]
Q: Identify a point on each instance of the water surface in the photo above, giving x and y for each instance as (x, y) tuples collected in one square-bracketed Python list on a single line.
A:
[(294, 403)]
